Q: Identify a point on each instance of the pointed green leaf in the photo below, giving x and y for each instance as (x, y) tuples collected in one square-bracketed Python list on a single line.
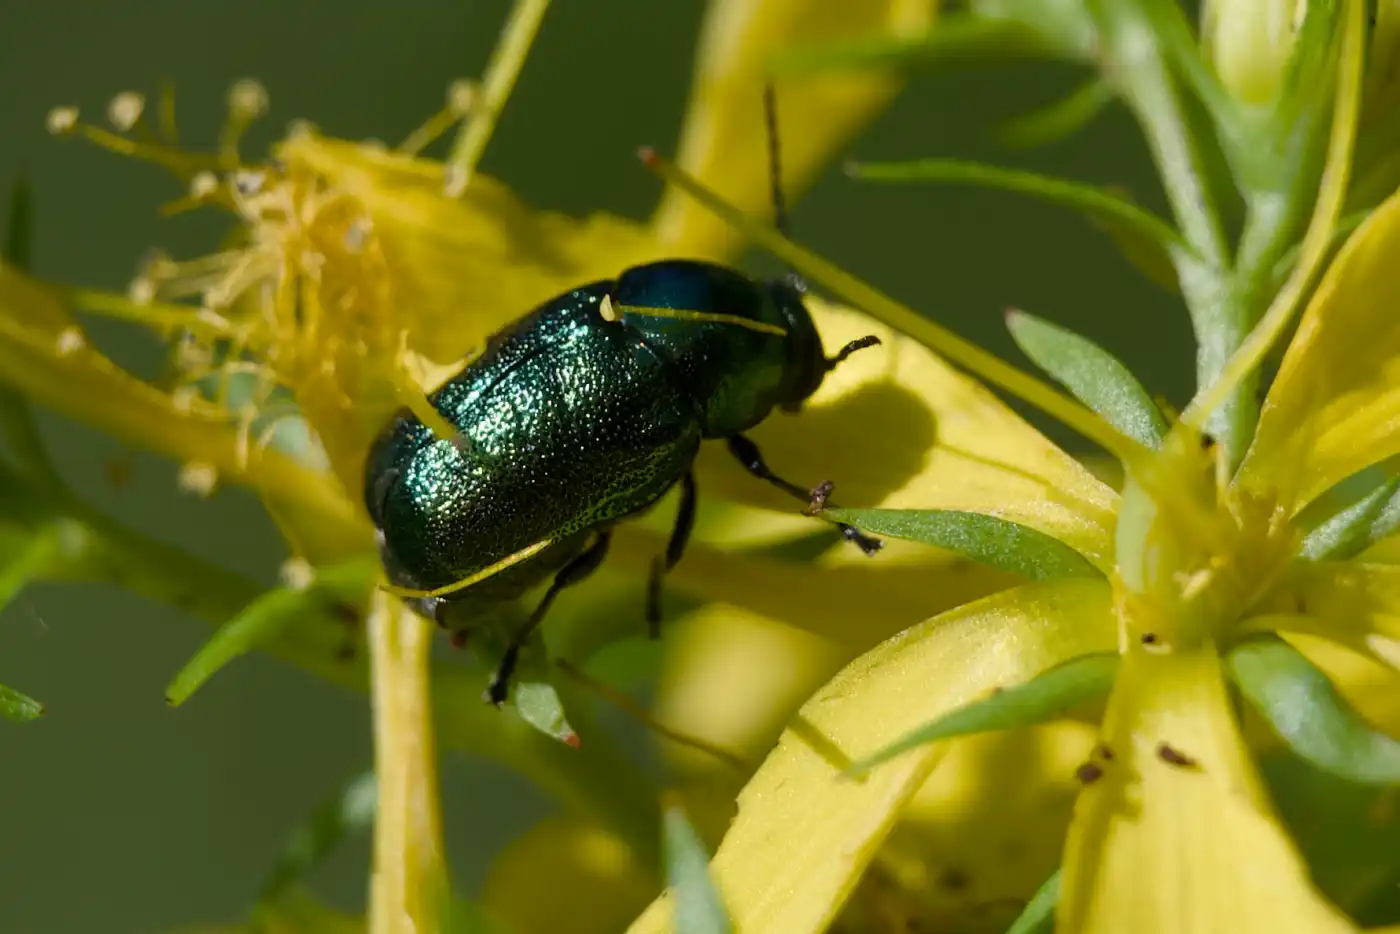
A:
[(1092, 374), (1038, 917), (1045, 697), (350, 811), (699, 908), (954, 40), (1305, 710), (32, 560), (1355, 528), (1095, 202), (18, 707), (539, 705), (1058, 120), (266, 618), (992, 541)]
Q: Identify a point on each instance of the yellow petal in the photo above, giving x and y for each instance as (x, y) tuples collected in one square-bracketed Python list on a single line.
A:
[(1334, 407), (804, 834), (459, 269), (1187, 845), (1351, 603), (895, 426), (595, 884), (724, 140), (981, 835)]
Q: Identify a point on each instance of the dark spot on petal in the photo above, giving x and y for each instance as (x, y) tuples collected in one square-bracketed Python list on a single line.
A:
[(1149, 638), (1088, 773), (1103, 752), (1174, 756), (954, 879), (458, 638)]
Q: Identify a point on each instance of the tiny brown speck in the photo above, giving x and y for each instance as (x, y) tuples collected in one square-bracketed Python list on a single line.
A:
[(1149, 638), (1103, 752), (1173, 756), (954, 879), (1089, 772)]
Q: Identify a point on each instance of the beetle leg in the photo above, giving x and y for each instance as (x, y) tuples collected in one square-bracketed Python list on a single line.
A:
[(680, 536), (747, 453), (572, 573)]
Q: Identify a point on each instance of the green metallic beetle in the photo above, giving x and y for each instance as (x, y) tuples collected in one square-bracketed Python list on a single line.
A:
[(582, 414)]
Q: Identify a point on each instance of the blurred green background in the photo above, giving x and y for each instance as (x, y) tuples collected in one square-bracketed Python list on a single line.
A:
[(120, 815)]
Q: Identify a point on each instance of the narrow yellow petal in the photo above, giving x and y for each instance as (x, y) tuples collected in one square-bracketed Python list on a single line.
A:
[(1177, 835), (804, 834), (895, 426), (724, 140), (1334, 407)]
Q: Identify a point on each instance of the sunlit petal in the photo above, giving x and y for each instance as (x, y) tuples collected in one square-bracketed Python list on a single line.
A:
[(804, 834), (1177, 835)]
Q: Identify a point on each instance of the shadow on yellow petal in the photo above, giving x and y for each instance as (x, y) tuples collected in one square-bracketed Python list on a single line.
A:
[(724, 140), (566, 875), (980, 836), (895, 426), (1177, 836), (804, 834), (1333, 407)]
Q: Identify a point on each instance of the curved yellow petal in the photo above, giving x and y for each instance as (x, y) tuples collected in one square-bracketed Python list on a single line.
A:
[(895, 426), (982, 834), (1177, 835), (804, 834), (1352, 603), (724, 140), (1334, 407)]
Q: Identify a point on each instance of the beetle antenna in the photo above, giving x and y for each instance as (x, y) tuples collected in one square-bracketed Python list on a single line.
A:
[(775, 175)]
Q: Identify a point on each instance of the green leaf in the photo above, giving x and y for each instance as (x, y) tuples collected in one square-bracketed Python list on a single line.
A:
[(34, 558), (1345, 831), (987, 539), (15, 417), (539, 705), (699, 908), (350, 811), (264, 620), (955, 40), (1305, 710), (1093, 375), (21, 708), (1098, 204), (1045, 697), (1058, 120), (1355, 528), (1038, 917)]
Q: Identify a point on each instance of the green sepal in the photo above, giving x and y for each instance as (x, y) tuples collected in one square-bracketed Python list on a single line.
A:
[(1093, 375), (699, 909), (1048, 696), (998, 543), (1307, 713)]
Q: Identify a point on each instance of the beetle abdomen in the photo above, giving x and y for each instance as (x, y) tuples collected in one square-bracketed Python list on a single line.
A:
[(568, 424)]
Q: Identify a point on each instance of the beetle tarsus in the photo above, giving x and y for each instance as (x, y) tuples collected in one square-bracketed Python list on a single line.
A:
[(748, 454)]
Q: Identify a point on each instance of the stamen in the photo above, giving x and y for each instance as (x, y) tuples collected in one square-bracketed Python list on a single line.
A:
[(461, 97), (70, 341), (198, 478), (61, 120), (297, 574), (124, 111), (247, 101)]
